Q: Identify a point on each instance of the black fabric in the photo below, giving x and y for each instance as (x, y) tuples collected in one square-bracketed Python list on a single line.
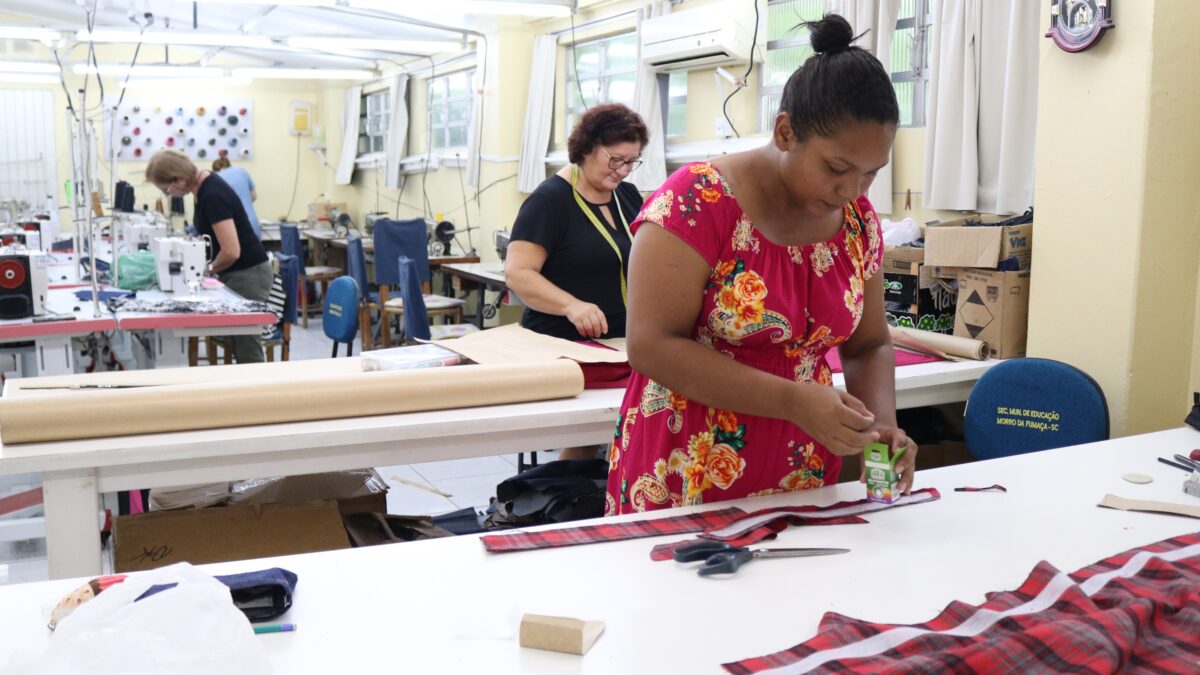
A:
[(372, 529), (1193, 418), (216, 201), (261, 595), (555, 492), (462, 521), (579, 260)]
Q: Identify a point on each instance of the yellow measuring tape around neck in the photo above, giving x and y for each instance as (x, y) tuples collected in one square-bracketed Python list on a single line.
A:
[(604, 230)]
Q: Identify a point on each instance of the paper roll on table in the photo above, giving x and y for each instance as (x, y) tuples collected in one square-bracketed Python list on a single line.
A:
[(939, 344), (98, 413)]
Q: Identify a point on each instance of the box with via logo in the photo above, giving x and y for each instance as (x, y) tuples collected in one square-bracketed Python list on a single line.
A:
[(956, 244), (882, 477), (913, 297)]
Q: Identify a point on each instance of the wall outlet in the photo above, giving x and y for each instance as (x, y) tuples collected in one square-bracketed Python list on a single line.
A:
[(722, 127)]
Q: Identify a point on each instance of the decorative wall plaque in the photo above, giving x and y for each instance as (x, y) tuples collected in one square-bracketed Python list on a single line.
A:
[(1076, 25)]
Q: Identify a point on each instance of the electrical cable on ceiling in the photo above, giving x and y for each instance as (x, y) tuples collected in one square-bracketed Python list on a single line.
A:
[(295, 182), (466, 212), (428, 139), (479, 123), (745, 78), (575, 60)]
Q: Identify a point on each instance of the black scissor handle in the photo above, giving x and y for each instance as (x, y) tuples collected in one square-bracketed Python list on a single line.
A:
[(700, 550), (725, 562)]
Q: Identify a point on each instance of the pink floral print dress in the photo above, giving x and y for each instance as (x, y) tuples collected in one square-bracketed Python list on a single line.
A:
[(776, 308)]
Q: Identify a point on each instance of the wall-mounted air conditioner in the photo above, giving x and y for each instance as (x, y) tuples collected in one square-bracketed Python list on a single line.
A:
[(711, 35)]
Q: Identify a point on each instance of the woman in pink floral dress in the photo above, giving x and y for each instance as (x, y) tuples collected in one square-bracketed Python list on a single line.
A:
[(745, 271)]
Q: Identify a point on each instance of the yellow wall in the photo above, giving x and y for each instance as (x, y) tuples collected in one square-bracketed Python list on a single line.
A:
[(1115, 288)]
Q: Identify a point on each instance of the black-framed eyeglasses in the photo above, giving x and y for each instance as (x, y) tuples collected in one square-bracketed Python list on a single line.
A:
[(616, 163)]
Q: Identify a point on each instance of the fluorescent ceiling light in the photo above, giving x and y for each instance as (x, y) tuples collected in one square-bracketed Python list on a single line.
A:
[(29, 33), (172, 85), (148, 71), (27, 78), (533, 8), (303, 73), (398, 45), (176, 38), (28, 67), (294, 3)]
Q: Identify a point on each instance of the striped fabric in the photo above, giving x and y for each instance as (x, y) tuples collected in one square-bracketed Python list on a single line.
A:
[(276, 301), (611, 531), (1137, 611)]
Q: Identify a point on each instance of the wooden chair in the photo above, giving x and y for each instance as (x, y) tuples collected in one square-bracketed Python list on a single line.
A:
[(408, 238), (289, 243), (416, 320)]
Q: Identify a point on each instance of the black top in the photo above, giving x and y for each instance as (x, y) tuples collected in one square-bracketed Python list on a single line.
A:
[(579, 260), (216, 201)]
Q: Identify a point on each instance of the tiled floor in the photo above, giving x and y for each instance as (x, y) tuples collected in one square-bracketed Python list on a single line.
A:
[(430, 488)]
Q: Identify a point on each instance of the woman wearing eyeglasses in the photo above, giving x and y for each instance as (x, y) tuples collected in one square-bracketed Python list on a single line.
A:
[(569, 249)]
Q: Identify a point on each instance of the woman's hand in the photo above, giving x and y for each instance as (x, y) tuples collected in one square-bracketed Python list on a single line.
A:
[(907, 465), (587, 318), (834, 419)]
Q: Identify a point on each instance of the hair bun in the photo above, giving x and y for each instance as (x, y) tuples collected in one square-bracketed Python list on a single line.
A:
[(831, 34)]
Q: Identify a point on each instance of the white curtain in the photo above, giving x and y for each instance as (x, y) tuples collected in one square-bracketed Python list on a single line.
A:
[(648, 102), (475, 126), (982, 106), (535, 139), (351, 103), (397, 139), (952, 107), (1008, 105), (878, 19)]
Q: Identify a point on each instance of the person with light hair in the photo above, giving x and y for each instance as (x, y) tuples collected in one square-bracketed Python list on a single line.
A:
[(239, 259)]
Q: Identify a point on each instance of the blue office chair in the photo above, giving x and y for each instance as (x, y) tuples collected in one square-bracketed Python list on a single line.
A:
[(408, 238), (339, 317), (1029, 404), (289, 243)]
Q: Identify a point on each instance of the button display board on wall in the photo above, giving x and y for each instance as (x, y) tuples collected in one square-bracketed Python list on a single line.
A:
[(203, 130)]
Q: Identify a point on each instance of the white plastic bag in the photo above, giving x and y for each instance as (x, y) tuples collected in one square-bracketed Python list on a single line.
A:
[(900, 232), (191, 629)]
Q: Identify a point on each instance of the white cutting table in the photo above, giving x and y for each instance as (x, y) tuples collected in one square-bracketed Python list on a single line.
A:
[(76, 472), (446, 606)]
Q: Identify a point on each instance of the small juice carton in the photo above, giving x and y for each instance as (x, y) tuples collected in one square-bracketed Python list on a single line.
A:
[(881, 473)]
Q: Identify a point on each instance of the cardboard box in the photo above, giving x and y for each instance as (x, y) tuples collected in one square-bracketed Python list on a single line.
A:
[(994, 307), (951, 244), (913, 298), (149, 540), (356, 491)]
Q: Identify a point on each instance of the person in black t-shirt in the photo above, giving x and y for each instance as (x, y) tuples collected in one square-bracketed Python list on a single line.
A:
[(239, 259), (569, 250)]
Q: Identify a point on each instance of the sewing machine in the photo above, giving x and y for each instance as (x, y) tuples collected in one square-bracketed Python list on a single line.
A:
[(501, 238), (31, 239), (180, 263), (23, 282), (138, 231)]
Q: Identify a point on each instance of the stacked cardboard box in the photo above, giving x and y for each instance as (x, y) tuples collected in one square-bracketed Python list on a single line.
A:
[(913, 297), (993, 305)]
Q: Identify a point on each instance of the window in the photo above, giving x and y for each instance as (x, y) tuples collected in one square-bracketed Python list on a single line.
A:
[(673, 88), (911, 50), (603, 71), (449, 103), (787, 49), (374, 122)]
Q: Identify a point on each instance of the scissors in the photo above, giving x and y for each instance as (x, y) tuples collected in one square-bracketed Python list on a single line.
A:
[(722, 558)]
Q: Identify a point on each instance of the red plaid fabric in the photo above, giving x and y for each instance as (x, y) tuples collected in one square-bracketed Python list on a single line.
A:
[(590, 534), (802, 515), (744, 532), (1138, 611)]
